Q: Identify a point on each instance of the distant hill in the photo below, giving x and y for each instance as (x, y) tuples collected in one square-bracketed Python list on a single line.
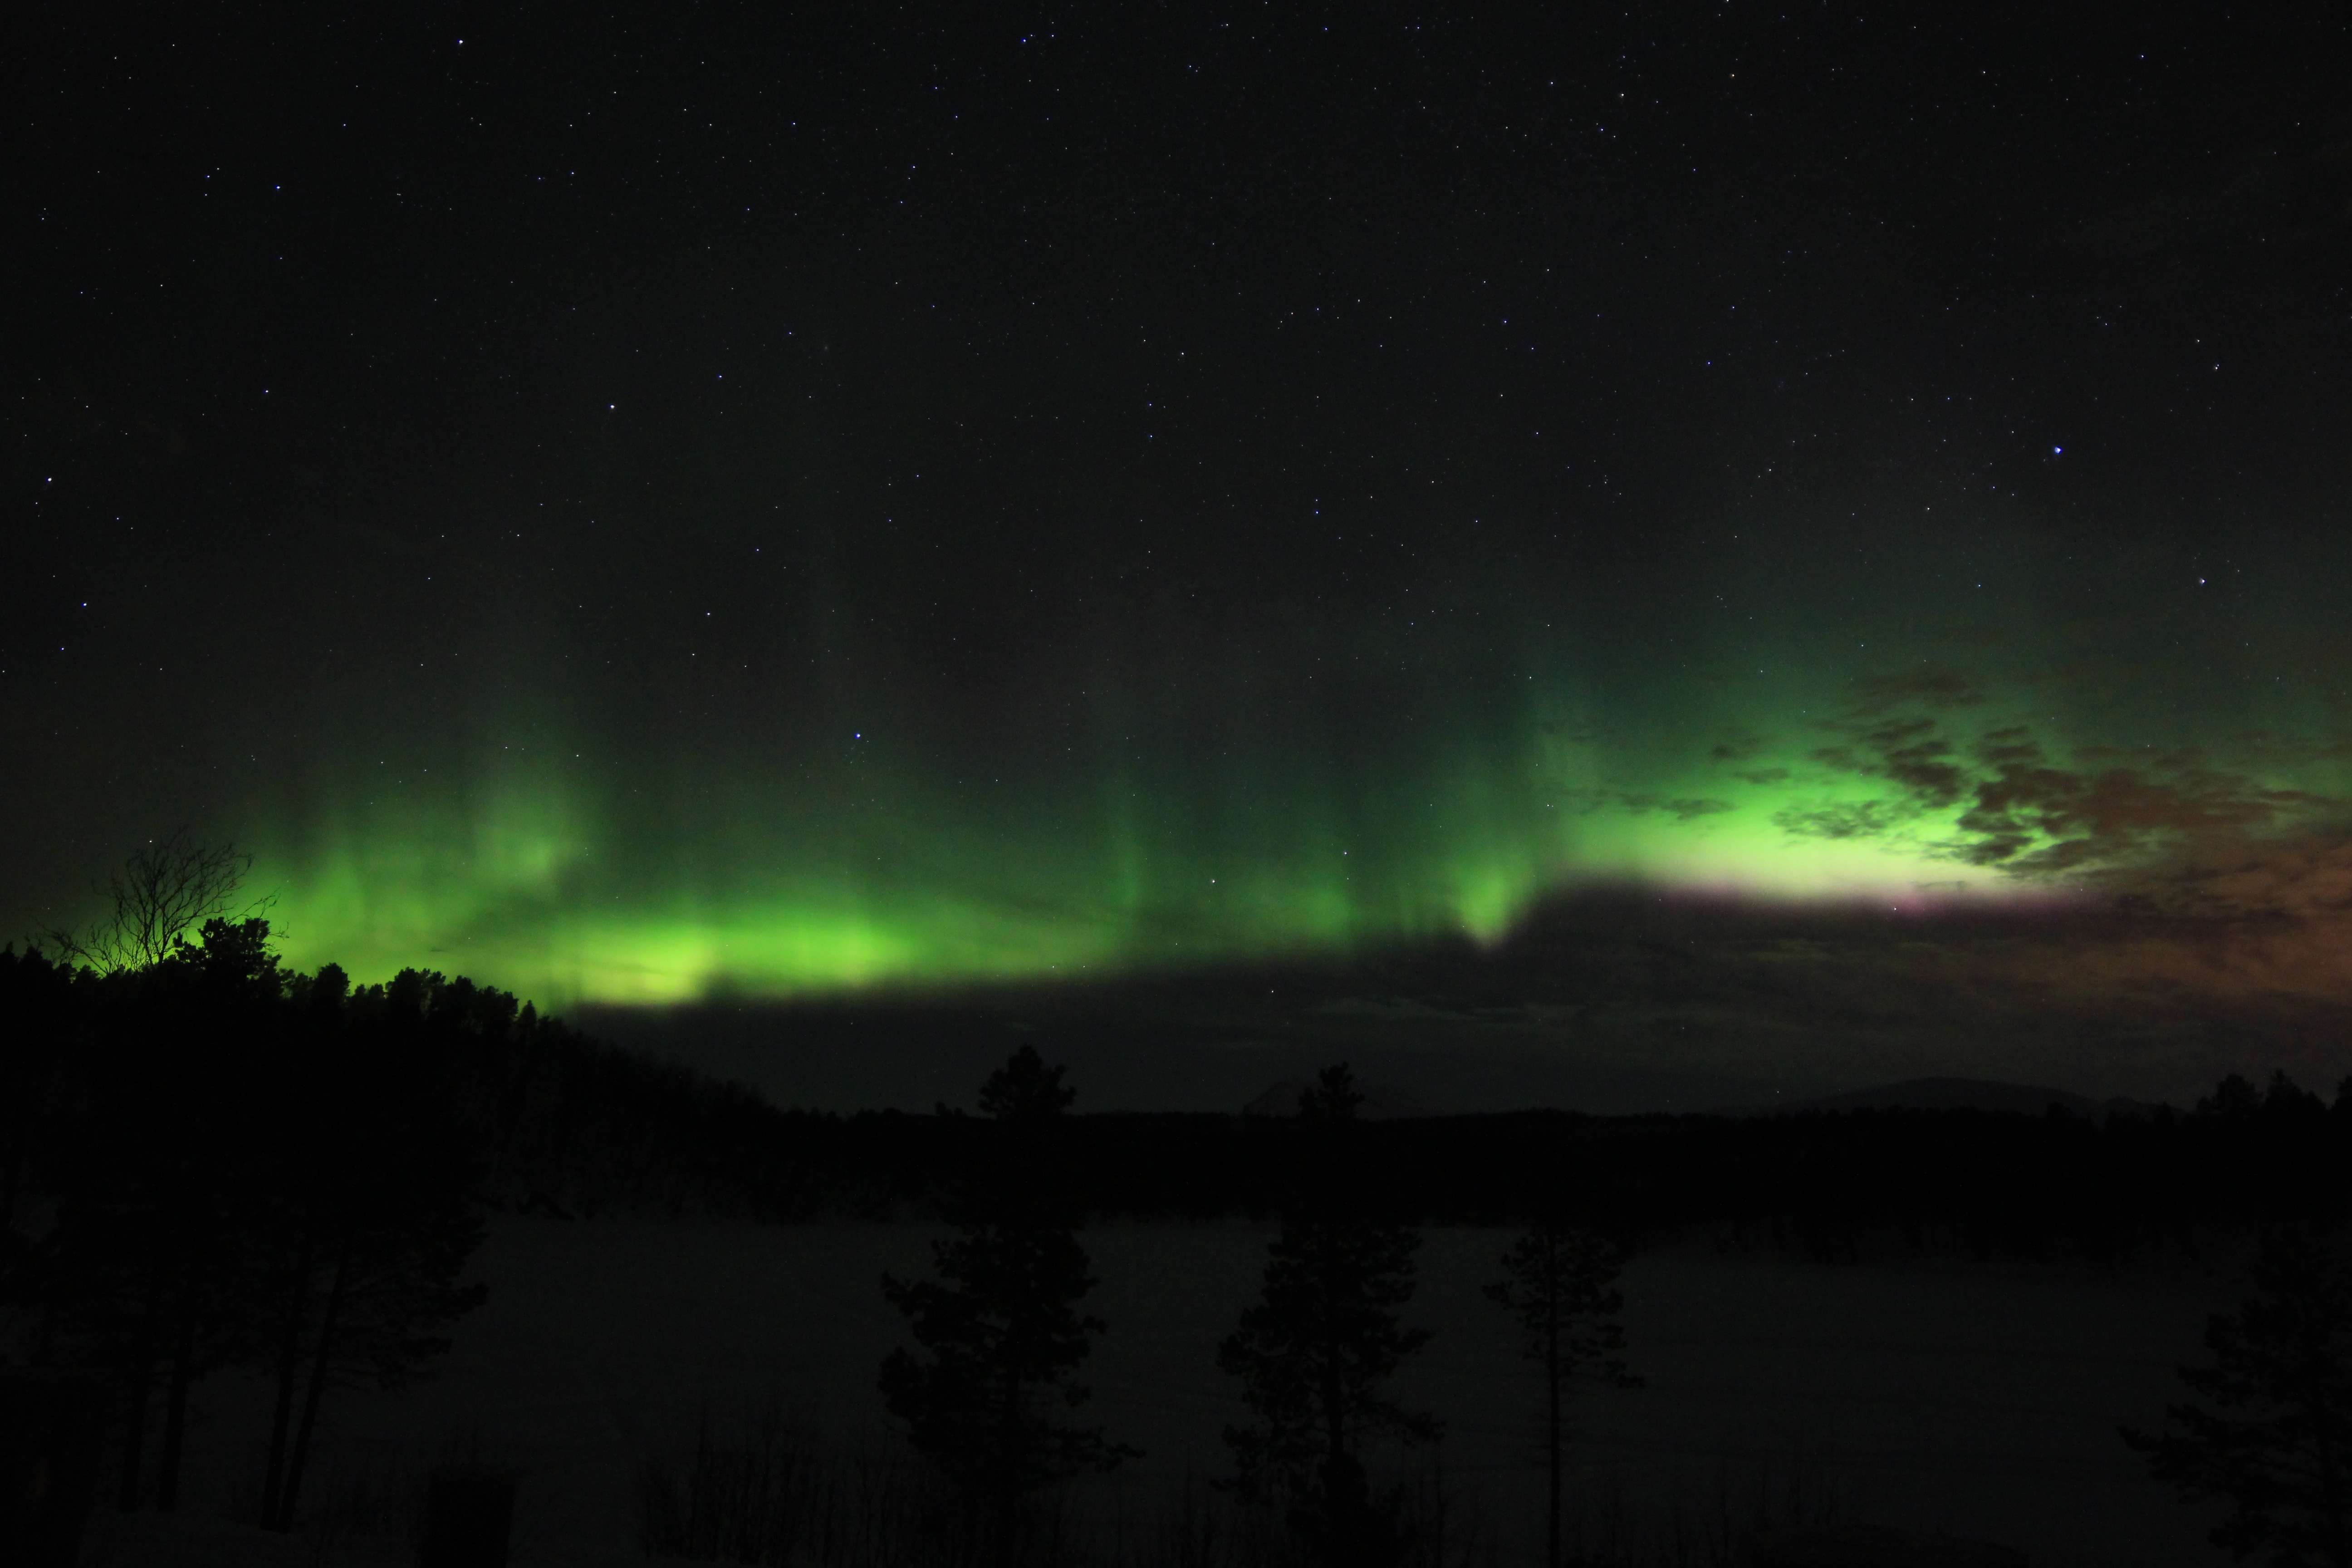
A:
[(1392, 1103), (1953, 1094)]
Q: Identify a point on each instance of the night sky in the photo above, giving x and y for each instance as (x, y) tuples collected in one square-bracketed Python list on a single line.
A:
[(741, 504)]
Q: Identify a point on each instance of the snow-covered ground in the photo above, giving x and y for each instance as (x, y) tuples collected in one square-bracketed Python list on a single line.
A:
[(1981, 1399)]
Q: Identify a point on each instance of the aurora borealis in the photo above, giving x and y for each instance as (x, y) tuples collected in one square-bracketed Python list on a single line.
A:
[(867, 866), (763, 506)]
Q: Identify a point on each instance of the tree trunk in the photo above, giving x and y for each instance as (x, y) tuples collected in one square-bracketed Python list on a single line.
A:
[(1437, 1502), (317, 1381), (516, 1098), (1337, 1497), (289, 1364), (1007, 1488), (1551, 1430), (20, 1139), (143, 1381), (2331, 1489), (183, 1375)]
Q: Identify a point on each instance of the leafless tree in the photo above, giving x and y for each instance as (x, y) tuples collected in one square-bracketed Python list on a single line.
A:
[(159, 895)]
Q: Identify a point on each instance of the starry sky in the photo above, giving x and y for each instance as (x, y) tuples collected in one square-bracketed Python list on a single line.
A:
[(760, 505)]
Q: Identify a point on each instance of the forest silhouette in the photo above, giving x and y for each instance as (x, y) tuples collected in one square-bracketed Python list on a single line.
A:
[(210, 1162)]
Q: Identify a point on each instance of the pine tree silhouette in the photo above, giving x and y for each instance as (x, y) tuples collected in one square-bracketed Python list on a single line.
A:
[(1559, 1286), (1314, 1355), (2283, 1364), (999, 1331)]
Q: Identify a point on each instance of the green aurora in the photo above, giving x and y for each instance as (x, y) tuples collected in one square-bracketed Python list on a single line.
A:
[(725, 509), (1317, 810)]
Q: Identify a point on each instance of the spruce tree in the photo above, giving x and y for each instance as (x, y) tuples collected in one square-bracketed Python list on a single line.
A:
[(1559, 1286), (999, 1332), (1315, 1352), (2283, 1366)]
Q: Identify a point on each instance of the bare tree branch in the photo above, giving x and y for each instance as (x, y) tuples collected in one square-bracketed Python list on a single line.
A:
[(159, 895)]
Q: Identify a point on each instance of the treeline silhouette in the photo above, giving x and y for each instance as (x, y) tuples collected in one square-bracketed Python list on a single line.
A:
[(1834, 1184), (565, 1123), (569, 1126), (207, 1162), (210, 1161)]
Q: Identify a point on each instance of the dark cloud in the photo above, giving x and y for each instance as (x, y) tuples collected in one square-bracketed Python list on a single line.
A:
[(2024, 811), (1909, 751), (1867, 820), (2306, 880), (2096, 817), (1683, 809)]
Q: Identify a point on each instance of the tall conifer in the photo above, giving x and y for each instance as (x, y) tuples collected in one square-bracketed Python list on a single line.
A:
[(999, 1332), (1314, 1355), (2276, 1436), (1558, 1285)]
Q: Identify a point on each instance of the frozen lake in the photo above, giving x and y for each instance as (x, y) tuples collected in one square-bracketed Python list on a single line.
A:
[(1982, 1399)]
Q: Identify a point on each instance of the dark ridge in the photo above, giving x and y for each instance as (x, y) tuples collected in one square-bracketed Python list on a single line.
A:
[(1946, 1094)]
